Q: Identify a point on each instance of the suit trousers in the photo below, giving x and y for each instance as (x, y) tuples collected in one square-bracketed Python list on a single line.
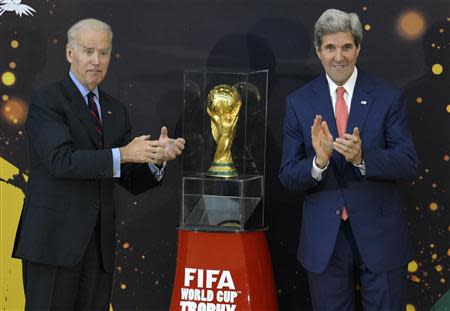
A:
[(335, 288), (85, 286)]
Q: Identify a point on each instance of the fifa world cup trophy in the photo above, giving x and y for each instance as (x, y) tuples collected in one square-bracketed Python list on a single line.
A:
[(224, 103)]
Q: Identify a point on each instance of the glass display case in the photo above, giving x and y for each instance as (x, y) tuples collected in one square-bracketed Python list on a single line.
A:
[(224, 159)]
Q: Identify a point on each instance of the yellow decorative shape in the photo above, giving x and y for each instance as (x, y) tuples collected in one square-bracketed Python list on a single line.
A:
[(411, 25), (412, 266), (14, 44), (410, 307), (11, 199), (367, 27), (437, 69), (8, 78), (448, 108), (433, 206)]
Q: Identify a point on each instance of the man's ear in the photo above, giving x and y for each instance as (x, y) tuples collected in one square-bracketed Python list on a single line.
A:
[(317, 50), (69, 52)]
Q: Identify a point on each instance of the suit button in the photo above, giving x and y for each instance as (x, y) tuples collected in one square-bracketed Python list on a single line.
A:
[(338, 212)]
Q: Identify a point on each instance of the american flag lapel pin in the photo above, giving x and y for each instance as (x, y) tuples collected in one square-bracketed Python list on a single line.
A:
[(363, 102)]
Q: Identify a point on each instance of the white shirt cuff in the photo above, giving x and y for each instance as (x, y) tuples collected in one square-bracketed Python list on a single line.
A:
[(362, 168), (316, 172)]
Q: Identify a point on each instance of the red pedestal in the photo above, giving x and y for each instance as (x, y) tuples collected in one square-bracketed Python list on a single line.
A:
[(229, 271)]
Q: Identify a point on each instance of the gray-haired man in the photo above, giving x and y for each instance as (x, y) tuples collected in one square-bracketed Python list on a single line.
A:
[(346, 146), (79, 147)]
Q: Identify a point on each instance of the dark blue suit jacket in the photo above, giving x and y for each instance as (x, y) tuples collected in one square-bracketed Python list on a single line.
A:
[(373, 201), (71, 180)]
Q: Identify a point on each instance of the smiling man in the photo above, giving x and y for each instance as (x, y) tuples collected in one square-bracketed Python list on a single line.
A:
[(346, 148), (79, 147)]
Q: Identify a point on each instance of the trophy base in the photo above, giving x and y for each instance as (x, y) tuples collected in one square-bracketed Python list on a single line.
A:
[(223, 170), (222, 204)]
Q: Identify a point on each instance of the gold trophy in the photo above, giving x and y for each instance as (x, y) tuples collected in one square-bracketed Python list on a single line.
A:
[(224, 103)]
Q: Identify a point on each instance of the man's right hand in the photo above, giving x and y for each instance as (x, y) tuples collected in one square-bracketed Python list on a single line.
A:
[(142, 150), (322, 141)]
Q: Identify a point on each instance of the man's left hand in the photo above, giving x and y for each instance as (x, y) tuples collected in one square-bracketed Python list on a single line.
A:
[(173, 147), (350, 147)]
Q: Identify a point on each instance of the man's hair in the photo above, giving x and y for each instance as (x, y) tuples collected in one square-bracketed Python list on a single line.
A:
[(332, 21), (90, 23)]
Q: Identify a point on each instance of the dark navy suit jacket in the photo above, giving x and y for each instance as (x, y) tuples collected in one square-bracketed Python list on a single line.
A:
[(373, 201), (71, 179)]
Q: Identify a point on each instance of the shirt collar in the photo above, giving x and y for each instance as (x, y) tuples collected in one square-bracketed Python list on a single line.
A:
[(83, 89), (349, 86)]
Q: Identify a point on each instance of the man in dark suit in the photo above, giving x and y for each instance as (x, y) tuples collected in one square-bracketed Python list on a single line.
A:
[(346, 147), (79, 147)]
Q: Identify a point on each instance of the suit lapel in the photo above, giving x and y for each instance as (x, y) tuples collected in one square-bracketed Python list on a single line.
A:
[(361, 104), (81, 109), (107, 119)]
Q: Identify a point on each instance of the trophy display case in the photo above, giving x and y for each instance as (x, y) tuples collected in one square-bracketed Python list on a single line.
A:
[(224, 124), (222, 229)]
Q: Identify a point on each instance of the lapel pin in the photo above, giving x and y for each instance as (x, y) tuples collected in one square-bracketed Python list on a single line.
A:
[(109, 112), (363, 102)]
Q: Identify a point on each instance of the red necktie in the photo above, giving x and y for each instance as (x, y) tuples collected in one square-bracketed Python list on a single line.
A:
[(341, 111), (341, 123), (95, 115)]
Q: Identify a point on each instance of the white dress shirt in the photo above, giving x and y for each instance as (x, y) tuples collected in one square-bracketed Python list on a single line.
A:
[(349, 87)]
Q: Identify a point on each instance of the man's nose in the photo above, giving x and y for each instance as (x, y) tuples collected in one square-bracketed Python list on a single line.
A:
[(95, 59), (338, 56)]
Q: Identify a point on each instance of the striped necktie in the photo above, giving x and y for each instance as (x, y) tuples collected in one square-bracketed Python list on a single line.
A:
[(95, 116)]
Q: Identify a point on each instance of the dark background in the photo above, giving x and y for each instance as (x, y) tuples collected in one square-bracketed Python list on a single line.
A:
[(154, 41)]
